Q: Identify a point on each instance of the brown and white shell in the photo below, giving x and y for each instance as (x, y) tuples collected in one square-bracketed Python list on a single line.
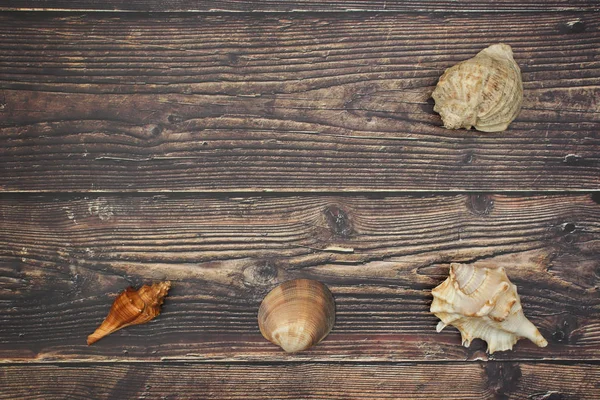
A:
[(132, 307), (485, 92), (297, 314), (482, 303)]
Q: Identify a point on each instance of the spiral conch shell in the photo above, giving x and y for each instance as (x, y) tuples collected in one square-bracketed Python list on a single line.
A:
[(483, 303), (297, 314), (132, 307), (485, 92)]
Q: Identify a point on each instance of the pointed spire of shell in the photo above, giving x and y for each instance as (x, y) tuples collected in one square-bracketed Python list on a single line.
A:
[(132, 307)]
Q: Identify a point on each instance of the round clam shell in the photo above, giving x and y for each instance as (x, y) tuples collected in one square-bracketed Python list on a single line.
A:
[(297, 314)]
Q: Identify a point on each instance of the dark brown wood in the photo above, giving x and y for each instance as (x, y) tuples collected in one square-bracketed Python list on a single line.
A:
[(63, 261), (460, 381), (333, 102), (290, 102), (432, 6)]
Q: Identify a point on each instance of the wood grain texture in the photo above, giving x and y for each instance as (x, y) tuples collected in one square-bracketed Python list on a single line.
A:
[(478, 381), (433, 6), (63, 260), (333, 102)]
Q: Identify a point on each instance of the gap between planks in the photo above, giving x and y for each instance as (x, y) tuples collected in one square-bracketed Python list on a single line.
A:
[(268, 193), (218, 11), (84, 363)]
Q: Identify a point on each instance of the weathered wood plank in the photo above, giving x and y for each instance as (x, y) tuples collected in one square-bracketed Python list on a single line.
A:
[(287, 103), (492, 380), (63, 260), (301, 5)]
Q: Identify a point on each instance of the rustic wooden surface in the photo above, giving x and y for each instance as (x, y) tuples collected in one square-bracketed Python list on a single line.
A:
[(298, 103), (229, 152), (307, 381), (224, 255), (301, 5)]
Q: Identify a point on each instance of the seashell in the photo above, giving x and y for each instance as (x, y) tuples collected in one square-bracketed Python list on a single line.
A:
[(132, 307), (483, 303), (485, 92), (297, 314)]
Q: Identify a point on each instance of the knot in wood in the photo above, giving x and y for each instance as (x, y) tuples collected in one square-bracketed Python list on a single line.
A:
[(574, 26), (262, 273), (563, 331), (572, 159), (338, 221), (502, 377), (568, 227), (468, 158), (480, 204), (568, 233), (156, 130), (174, 119)]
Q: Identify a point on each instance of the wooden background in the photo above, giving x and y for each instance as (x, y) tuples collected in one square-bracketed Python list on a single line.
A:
[(228, 145)]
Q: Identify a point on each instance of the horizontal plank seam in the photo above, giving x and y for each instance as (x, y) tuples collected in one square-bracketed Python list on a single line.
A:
[(296, 192), (80, 363), (317, 11)]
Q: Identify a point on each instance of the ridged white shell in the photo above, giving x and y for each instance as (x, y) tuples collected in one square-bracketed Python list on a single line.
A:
[(485, 92), (483, 303)]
